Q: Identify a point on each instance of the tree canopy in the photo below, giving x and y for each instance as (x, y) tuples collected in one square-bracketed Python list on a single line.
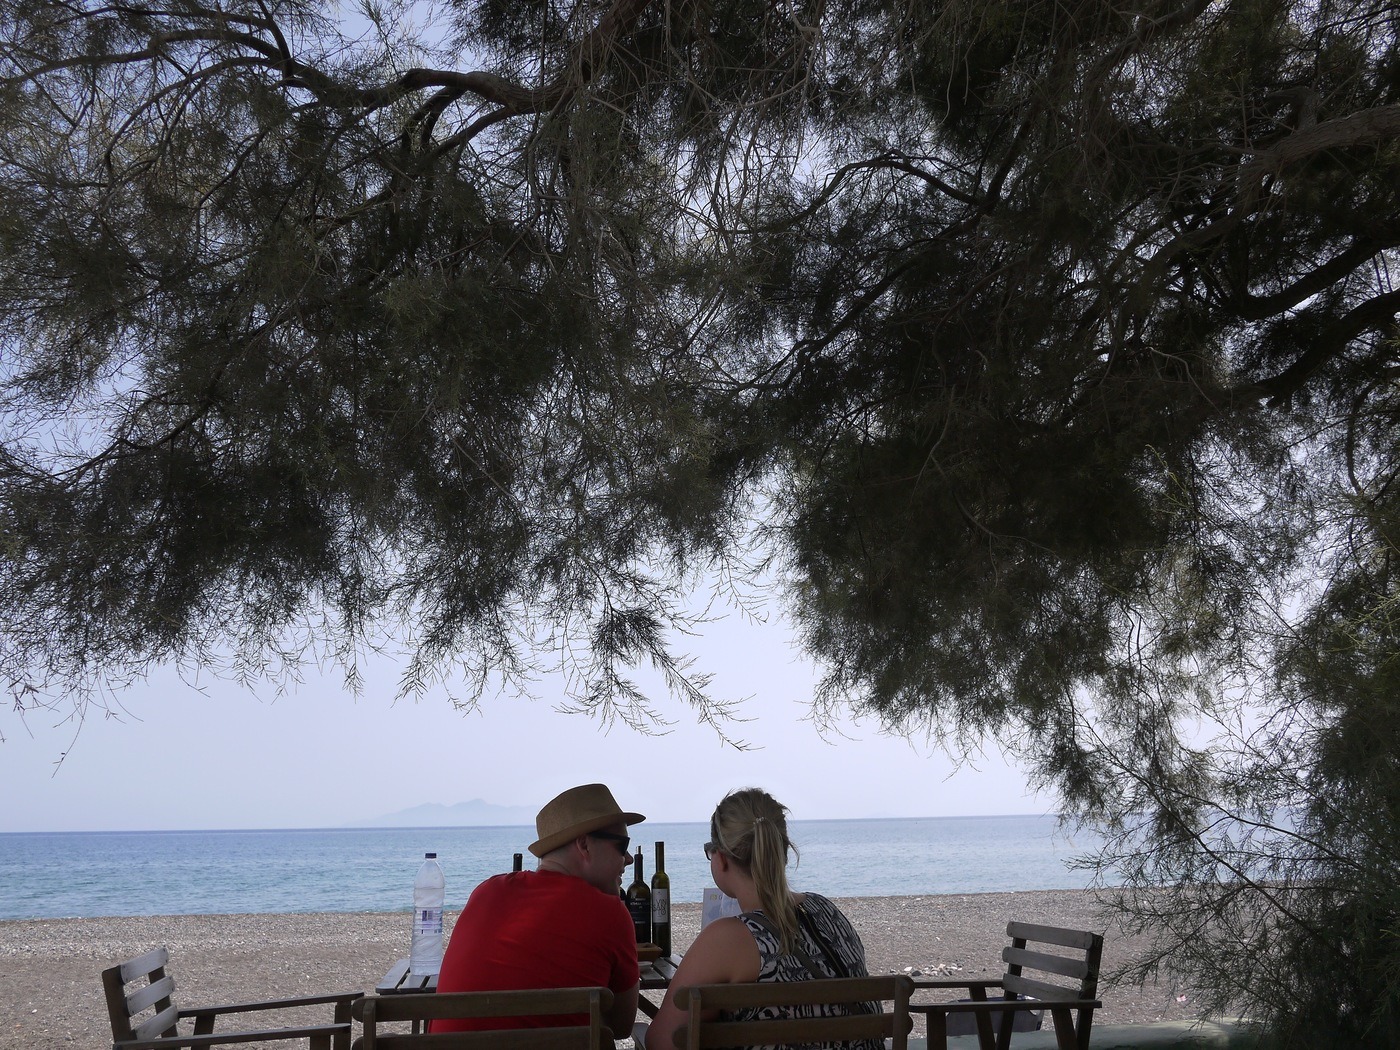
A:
[(1044, 351)]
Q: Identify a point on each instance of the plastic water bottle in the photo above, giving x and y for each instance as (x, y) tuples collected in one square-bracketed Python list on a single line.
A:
[(429, 889)]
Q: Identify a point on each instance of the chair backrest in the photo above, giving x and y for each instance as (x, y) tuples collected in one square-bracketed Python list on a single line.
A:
[(893, 1024), (1065, 962), (375, 1010), (1065, 965), (128, 1012)]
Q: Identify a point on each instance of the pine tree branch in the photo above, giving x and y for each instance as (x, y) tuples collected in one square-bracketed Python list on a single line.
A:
[(1376, 313)]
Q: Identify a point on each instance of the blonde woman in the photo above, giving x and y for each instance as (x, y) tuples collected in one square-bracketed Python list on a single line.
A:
[(780, 936)]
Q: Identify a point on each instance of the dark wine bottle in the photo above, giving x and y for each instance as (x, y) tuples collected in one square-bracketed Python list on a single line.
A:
[(517, 862), (661, 902), (639, 902)]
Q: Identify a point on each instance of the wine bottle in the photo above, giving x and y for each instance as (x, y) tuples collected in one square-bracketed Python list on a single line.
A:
[(661, 902), (517, 861), (639, 902)]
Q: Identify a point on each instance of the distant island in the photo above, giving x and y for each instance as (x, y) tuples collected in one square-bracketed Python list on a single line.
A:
[(476, 813)]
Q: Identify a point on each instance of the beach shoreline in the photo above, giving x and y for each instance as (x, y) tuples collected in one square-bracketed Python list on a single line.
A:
[(51, 995)]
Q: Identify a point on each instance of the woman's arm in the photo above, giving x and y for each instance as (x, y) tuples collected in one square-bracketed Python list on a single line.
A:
[(724, 953)]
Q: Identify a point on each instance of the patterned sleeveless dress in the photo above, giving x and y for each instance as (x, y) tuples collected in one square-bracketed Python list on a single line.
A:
[(774, 965)]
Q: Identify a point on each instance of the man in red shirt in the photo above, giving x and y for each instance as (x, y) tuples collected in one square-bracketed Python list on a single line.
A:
[(560, 926)]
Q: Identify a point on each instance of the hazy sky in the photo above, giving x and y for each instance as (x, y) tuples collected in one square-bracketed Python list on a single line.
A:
[(318, 757)]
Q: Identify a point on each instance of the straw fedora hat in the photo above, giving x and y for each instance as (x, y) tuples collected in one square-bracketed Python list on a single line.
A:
[(577, 812)]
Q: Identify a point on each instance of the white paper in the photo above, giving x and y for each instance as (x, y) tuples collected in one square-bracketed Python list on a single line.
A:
[(715, 905)]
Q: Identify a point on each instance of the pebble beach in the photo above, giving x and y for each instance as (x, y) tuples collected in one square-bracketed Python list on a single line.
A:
[(51, 995)]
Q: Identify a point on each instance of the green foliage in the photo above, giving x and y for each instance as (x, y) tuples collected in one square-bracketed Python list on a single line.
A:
[(1055, 342), (1276, 859)]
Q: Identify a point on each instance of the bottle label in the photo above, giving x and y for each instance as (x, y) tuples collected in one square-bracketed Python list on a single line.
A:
[(427, 920), (660, 905), (641, 919)]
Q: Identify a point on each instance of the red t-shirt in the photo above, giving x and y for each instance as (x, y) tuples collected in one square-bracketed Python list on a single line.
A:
[(537, 929)]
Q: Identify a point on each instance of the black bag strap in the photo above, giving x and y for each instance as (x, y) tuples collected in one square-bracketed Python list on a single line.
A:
[(837, 964)]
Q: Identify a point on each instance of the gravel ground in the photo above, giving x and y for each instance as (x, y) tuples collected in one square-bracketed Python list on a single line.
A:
[(51, 994)]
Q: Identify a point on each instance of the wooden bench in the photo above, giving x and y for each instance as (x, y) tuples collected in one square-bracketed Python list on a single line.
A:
[(146, 1017), (1065, 965), (893, 1024), (418, 1008)]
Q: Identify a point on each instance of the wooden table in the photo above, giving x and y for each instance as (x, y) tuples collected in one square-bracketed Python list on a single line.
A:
[(656, 976), (398, 981)]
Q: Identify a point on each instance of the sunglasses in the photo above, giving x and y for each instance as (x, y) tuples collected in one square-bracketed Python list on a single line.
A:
[(711, 848), (623, 841)]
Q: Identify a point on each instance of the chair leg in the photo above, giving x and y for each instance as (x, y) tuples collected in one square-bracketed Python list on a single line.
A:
[(1086, 1018), (937, 1030), (987, 1037), (1065, 1038), (341, 1041), (1006, 1022)]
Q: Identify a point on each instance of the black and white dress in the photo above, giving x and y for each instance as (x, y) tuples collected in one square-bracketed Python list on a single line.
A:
[(775, 965)]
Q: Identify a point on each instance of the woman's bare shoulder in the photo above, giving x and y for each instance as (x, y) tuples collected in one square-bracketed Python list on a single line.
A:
[(724, 952), (723, 931)]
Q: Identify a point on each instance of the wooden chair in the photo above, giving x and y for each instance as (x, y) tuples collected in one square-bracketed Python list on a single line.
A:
[(1066, 966), (158, 1030), (376, 1010), (892, 1025)]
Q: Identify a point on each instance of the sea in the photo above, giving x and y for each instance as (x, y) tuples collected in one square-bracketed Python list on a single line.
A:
[(46, 875)]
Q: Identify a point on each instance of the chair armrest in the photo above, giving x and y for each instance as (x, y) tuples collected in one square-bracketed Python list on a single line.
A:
[(969, 985), (270, 1004), (986, 1006), (224, 1038)]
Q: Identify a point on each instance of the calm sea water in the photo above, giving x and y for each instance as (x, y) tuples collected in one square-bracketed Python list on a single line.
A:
[(85, 874)]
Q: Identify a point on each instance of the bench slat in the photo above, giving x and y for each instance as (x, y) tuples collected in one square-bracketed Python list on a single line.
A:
[(1038, 989), (521, 1003), (150, 995), (979, 1006), (1028, 931), (894, 1023), (514, 1039), (318, 1034), (153, 960), (1058, 964), (796, 993), (158, 1025), (272, 1004), (794, 1030)]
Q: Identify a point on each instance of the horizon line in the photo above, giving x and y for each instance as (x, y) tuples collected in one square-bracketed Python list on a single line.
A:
[(484, 827)]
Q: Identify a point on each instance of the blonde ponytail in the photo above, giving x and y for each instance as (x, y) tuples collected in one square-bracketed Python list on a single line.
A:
[(750, 826)]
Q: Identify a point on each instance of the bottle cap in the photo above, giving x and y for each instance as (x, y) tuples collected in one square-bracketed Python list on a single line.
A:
[(430, 856)]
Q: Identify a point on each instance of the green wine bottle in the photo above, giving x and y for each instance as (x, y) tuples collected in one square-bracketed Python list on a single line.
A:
[(639, 902), (661, 902)]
